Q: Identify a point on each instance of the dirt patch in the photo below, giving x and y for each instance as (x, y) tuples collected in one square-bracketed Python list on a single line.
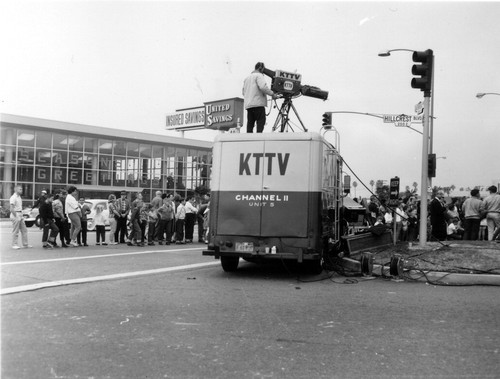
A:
[(476, 257)]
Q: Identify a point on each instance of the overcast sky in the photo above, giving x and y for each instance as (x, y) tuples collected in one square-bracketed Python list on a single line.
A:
[(126, 64)]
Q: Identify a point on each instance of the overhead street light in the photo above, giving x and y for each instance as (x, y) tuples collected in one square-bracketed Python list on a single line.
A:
[(387, 53), (481, 94)]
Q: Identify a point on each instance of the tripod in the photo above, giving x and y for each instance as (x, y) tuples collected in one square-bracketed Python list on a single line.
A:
[(282, 120)]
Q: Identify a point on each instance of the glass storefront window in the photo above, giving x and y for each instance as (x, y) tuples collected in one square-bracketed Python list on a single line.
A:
[(75, 159), (145, 150), (120, 148), (59, 158), (105, 178), (157, 151), (75, 176), (90, 178), (105, 146), (25, 138), (24, 173), (132, 149), (25, 155), (59, 175), (60, 141), (27, 193), (90, 145), (90, 161), (132, 172), (43, 157), (44, 140), (42, 174), (75, 143)]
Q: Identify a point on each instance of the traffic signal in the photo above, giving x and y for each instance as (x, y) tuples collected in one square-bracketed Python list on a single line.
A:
[(327, 119), (431, 166), (424, 70)]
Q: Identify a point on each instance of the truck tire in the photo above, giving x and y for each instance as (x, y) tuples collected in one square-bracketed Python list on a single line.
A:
[(313, 267), (229, 263), (29, 224)]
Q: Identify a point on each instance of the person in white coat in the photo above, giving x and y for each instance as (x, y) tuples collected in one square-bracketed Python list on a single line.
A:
[(255, 91)]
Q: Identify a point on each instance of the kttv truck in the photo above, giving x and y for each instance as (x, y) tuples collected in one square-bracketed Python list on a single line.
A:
[(274, 196)]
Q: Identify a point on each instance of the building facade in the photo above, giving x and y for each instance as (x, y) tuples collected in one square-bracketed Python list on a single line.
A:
[(44, 154)]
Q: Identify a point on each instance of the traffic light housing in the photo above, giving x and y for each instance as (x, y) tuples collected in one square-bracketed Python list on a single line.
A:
[(327, 119), (431, 166), (423, 70)]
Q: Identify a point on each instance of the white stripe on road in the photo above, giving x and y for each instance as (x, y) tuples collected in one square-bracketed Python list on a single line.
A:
[(32, 287), (94, 256)]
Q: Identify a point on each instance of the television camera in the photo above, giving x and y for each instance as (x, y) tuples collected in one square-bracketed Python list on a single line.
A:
[(288, 85)]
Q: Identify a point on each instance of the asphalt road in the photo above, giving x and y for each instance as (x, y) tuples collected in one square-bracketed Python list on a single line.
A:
[(164, 318)]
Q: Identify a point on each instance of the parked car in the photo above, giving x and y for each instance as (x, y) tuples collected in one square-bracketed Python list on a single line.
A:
[(31, 216), (93, 203)]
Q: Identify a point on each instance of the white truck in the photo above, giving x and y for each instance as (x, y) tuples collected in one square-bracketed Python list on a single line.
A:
[(274, 196)]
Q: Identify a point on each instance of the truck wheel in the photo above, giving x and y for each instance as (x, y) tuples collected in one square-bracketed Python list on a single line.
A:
[(313, 267), (229, 263), (29, 224)]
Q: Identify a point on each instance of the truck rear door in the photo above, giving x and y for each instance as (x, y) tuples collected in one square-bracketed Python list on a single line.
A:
[(264, 188)]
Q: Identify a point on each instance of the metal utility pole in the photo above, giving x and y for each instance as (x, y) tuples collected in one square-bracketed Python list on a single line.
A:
[(424, 83)]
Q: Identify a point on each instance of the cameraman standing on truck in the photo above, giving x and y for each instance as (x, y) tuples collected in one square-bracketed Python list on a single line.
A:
[(255, 91)]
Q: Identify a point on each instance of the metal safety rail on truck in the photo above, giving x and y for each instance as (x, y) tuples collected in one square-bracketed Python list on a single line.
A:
[(274, 196)]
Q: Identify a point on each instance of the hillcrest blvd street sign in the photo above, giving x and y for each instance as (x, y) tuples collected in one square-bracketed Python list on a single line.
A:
[(403, 120)]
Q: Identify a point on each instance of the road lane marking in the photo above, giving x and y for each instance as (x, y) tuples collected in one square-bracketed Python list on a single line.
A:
[(94, 256), (57, 283)]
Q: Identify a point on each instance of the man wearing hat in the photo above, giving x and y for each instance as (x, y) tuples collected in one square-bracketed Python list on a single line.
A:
[(40, 201), (123, 208), (255, 91), (491, 208)]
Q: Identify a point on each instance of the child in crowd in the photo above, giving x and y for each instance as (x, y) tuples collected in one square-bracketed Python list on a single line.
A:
[(180, 217), (483, 230), (454, 231), (100, 222), (152, 219)]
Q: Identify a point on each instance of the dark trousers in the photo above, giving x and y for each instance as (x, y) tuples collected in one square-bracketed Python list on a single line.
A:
[(49, 225), (100, 233), (82, 236), (256, 115), (200, 221), (135, 232), (471, 226), (142, 225), (169, 229), (179, 230), (151, 231), (61, 225), (160, 230), (121, 229), (189, 225)]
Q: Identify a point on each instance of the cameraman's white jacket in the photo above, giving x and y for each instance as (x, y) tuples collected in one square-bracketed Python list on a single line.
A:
[(255, 90)]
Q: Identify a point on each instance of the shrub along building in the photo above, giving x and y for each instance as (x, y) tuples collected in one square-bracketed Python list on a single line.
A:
[(44, 154)]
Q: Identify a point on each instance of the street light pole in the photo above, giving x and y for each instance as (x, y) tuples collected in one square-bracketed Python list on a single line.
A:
[(427, 59), (424, 178)]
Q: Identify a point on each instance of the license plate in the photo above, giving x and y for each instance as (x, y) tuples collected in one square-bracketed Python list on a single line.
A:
[(244, 246)]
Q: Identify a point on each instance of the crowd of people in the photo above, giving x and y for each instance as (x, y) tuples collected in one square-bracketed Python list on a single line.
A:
[(469, 218), (167, 219)]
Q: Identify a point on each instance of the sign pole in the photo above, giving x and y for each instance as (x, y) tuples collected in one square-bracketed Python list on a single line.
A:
[(424, 178)]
